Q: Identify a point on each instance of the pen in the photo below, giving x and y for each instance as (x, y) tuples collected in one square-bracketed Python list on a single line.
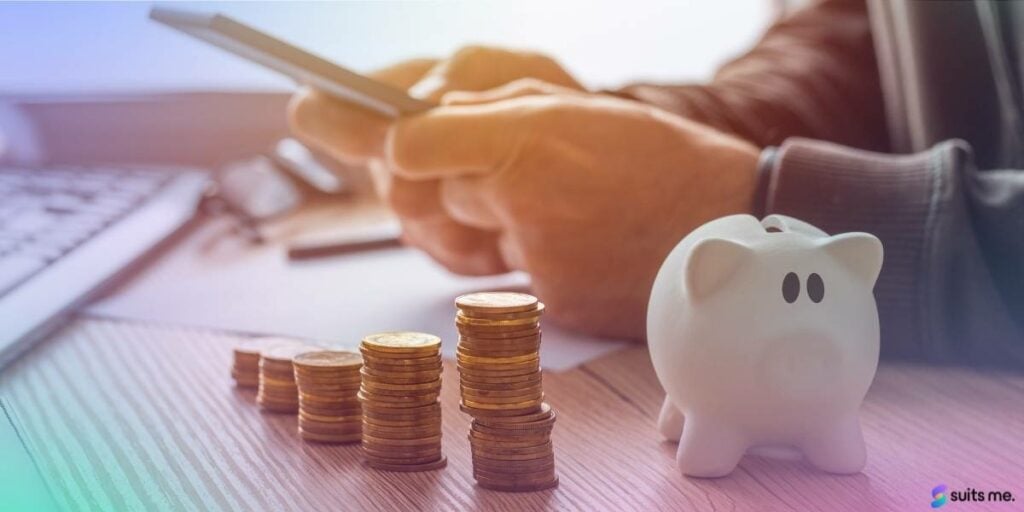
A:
[(377, 239)]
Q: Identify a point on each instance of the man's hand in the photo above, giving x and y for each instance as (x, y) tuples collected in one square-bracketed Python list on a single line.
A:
[(356, 136), (584, 192)]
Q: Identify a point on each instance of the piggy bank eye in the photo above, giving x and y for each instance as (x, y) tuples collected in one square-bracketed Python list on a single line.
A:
[(815, 288), (791, 287)]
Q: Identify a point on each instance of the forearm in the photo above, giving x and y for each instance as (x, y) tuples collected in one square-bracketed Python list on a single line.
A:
[(812, 75), (952, 285)]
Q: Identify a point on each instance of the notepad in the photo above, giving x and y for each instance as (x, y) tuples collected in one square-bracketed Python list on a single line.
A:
[(211, 281)]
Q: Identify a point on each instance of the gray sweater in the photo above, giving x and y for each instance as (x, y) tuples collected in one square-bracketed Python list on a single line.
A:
[(840, 87)]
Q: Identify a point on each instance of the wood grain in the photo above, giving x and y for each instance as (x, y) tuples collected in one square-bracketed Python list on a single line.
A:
[(126, 416)]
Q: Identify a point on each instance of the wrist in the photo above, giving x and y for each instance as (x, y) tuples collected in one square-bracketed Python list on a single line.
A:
[(763, 174)]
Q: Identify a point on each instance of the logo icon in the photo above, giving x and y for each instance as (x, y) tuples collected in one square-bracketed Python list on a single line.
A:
[(939, 495)]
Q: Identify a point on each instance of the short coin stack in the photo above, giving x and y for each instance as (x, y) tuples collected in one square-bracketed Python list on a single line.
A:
[(401, 380), (277, 390), (501, 383), (246, 367), (328, 381)]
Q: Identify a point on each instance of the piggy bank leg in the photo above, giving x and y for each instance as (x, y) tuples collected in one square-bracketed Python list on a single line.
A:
[(708, 448), (670, 421), (838, 449)]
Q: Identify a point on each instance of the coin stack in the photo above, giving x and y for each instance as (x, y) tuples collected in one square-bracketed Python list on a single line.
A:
[(246, 367), (328, 381), (501, 384), (401, 380), (277, 390)]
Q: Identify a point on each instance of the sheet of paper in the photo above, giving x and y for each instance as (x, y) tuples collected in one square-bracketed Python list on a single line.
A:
[(212, 280)]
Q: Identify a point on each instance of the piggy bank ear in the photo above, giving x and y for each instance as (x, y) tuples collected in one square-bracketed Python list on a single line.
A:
[(711, 264), (861, 253)]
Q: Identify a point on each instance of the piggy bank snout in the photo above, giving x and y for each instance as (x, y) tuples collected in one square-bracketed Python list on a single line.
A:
[(803, 363)]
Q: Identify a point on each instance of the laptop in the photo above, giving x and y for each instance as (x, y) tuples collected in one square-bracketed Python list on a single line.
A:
[(67, 231)]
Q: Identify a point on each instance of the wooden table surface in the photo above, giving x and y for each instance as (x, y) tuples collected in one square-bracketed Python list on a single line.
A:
[(127, 416)]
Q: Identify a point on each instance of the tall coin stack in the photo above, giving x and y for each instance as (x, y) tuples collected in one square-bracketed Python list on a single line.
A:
[(277, 390), (502, 388), (329, 411), (401, 380)]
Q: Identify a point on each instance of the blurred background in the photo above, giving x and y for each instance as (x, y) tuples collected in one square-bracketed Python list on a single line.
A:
[(78, 80), (125, 145)]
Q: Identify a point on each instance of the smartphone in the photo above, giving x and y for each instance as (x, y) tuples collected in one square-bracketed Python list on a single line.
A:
[(302, 66)]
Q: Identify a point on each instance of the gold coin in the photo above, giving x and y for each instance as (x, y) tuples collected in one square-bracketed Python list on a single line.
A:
[(328, 359), (507, 483), (392, 451), (510, 361), (374, 373), (527, 337), (372, 440), (325, 377), (330, 392), (327, 428), (330, 438), (328, 401), (486, 336), (491, 450), (478, 412), (504, 400), (402, 342), (400, 358), (490, 375), (502, 331), (419, 419), (484, 394), (422, 379), (419, 433), (496, 302), (541, 459), (489, 315), (398, 399), (434, 457), (428, 466), (384, 401), (330, 418), (330, 412), (496, 350), (390, 413), (532, 382), (509, 324), (472, 380), (329, 387), (515, 481), (504, 487), (425, 386), (526, 404), (402, 364), (522, 475), (391, 395), (285, 353), (517, 423), (400, 452), (279, 407), (514, 467), (485, 441), (425, 429)]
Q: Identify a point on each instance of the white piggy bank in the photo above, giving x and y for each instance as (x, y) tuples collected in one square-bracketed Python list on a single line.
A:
[(765, 334)]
